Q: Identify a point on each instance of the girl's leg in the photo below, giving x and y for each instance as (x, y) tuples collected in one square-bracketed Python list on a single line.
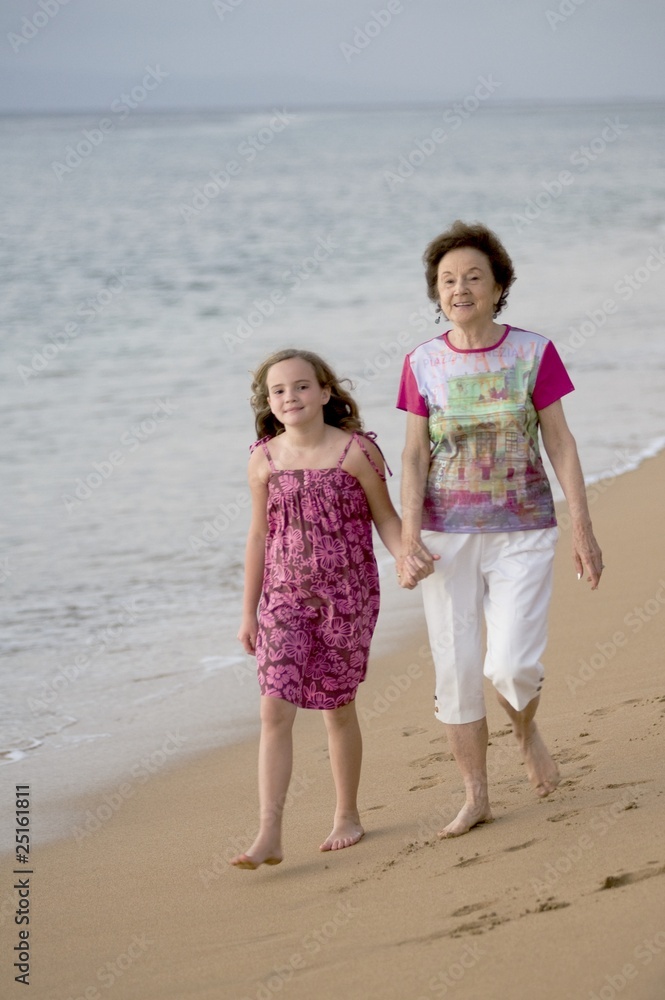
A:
[(346, 751), (275, 762)]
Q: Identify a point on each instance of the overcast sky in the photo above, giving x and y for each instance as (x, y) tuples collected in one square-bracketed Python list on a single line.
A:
[(83, 54)]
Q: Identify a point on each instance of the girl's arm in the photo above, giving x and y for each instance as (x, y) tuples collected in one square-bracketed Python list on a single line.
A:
[(562, 452), (254, 550), (384, 515)]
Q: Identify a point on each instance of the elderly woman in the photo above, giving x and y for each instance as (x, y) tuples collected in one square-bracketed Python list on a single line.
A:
[(473, 480)]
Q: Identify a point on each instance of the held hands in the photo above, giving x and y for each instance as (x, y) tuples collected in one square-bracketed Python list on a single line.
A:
[(414, 565)]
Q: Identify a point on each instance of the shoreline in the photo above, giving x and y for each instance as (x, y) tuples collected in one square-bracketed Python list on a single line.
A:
[(151, 903), (401, 625)]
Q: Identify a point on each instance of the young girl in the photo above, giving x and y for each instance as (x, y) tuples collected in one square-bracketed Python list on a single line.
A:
[(317, 484)]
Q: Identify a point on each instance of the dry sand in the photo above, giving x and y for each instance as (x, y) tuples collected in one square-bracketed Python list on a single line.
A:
[(562, 898)]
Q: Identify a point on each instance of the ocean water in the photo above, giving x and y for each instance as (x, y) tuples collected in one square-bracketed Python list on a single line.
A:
[(148, 268)]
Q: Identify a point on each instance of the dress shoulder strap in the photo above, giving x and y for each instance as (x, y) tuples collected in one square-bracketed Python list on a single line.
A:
[(263, 443), (371, 436)]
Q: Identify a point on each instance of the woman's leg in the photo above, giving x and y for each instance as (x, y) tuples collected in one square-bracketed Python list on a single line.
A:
[(468, 743), (452, 598), (542, 770), (346, 751), (519, 571), (275, 763)]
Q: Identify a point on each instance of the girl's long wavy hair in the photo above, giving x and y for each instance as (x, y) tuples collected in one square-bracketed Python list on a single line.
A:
[(341, 410)]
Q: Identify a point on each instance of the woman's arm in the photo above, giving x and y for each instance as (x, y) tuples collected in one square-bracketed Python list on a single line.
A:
[(415, 467), (562, 452), (254, 550)]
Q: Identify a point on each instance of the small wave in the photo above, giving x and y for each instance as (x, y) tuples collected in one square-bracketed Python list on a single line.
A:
[(628, 462)]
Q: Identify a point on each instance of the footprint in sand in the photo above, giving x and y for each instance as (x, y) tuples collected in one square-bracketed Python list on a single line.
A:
[(464, 911), (413, 731), (485, 922), (568, 755), (598, 713), (628, 784), (629, 878), (428, 781), (431, 758), (477, 859), (520, 847), (562, 816)]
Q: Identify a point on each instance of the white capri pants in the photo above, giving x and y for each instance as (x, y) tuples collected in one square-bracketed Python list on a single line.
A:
[(508, 576)]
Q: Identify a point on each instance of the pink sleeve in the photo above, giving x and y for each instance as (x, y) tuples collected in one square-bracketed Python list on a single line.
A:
[(408, 396), (552, 380)]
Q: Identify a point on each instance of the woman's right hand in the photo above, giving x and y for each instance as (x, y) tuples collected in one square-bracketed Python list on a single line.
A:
[(247, 633)]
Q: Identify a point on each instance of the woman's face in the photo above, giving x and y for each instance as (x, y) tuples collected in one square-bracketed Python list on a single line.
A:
[(468, 293)]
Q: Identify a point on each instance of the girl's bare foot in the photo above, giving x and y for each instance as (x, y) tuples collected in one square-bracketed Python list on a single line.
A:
[(468, 817), (262, 852), (345, 833)]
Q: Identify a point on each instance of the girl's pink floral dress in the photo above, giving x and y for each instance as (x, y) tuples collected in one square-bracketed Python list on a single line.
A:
[(320, 597)]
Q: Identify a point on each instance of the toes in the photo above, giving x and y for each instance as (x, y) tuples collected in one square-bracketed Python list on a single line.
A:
[(243, 861), (250, 864)]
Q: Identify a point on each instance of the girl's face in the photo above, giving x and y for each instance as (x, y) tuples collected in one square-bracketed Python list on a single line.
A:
[(294, 394)]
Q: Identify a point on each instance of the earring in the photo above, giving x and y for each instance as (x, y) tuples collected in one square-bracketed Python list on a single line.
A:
[(438, 318)]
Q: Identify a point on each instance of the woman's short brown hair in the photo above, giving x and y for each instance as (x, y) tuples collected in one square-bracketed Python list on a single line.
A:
[(462, 234)]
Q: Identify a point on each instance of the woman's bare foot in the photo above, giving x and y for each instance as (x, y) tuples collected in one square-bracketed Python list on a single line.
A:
[(468, 817), (345, 833), (262, 852), (542, 770)]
